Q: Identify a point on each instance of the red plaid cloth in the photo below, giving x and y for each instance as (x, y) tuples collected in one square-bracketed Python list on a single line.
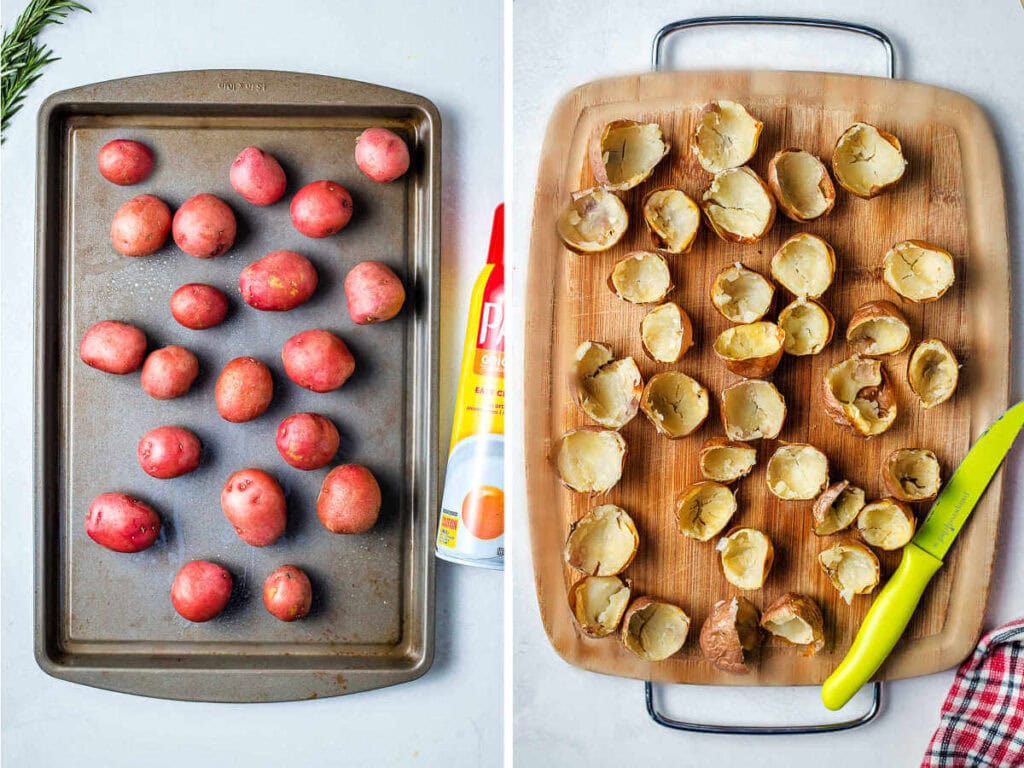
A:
[(983, 717)]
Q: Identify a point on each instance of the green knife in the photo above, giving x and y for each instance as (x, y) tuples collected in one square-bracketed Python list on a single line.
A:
[(922, 557)]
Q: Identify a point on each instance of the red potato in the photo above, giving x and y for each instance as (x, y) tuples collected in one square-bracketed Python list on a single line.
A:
[(199, 306), (280, 281), (167, 452), (169, 372), (113, 347), (254, 504), (349, 500), (258, 177), (122, 523), (140, 226), (373, 292), (317, 360), (201, 590), (244, 390), (307, 440), (125, 162), (321, 209), (381, 154), (287, 593), (204, 226)]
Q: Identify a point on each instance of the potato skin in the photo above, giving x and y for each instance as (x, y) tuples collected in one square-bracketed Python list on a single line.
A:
[(317, 360), (244, 390), (307, 440), (373, 293), (113, 347), (321, 209), (169, 451), (258, 177), (280, 281), (204, 226), (349, 500), (122, 523), (201, 590), (381, 154), (169, 372), (287, 593), (140, 226), (199, 306), (125, 162), (254, 504)]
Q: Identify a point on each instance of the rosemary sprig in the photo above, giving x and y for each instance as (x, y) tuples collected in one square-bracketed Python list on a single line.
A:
[(22, 58)]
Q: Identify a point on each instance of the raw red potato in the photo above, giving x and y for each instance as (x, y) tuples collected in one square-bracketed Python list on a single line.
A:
[(280, 281), (204, 226), (287, 593), (125, 162), (169, 372), (201, 590), (381, 154), (321, 209), (317, 360), (121, 523), (254, 504), (349, 500), (170, 451), (199, 306), (307, 440), (258, 177), (373, 292), (113, 347), (244, 389), (140, 226)]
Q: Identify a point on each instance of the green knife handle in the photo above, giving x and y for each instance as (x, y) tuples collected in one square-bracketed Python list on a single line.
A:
[(883, 626)]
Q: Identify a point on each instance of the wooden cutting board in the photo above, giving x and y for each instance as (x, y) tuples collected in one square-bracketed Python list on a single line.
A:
[(952, 194)]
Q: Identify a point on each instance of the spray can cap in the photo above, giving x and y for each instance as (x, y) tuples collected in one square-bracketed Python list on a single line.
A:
[(496, 253)]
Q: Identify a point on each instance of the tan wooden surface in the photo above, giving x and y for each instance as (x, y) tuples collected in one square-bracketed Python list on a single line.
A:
[(952, 195)]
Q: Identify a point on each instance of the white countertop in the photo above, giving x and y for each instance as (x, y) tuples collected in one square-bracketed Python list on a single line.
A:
[(446, 50), (564, 714)]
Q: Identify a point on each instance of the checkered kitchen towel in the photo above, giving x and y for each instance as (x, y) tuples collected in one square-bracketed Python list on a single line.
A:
[(983, 717)]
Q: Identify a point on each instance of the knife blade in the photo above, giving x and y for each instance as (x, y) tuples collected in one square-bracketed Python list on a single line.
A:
[(922, 557)]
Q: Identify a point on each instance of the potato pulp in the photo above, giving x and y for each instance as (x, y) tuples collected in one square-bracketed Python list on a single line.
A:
[(879, 336), (747, 556), (675, 404), (852, 568), (629, 153), (918, 271), (594, 221), (861, 389), (913, 474), (797, 620), (727, 462), (654, 631), (603, 542), (749, 341), (741, 295), (726, 136), (933, 372), (666, 332), (837, 508), (801, 185), (673, 218), (752, 410), (641, 277), (866, 161), (590, 460), (808, 327), (739, 206), (703, 509), (797, 472), (607, 390), (804, 265), (598, 604), (886, 524)]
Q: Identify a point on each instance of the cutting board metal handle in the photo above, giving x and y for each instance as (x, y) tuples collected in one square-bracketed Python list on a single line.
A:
[(658, 45)]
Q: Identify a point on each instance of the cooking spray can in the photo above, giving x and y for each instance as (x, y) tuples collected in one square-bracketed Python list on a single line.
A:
[(472, 525)]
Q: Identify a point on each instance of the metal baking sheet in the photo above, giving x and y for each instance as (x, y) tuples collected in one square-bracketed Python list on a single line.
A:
[(105, 619)]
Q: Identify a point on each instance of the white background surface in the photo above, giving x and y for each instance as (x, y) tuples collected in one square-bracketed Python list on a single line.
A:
[(446, 50), (567, 716)]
